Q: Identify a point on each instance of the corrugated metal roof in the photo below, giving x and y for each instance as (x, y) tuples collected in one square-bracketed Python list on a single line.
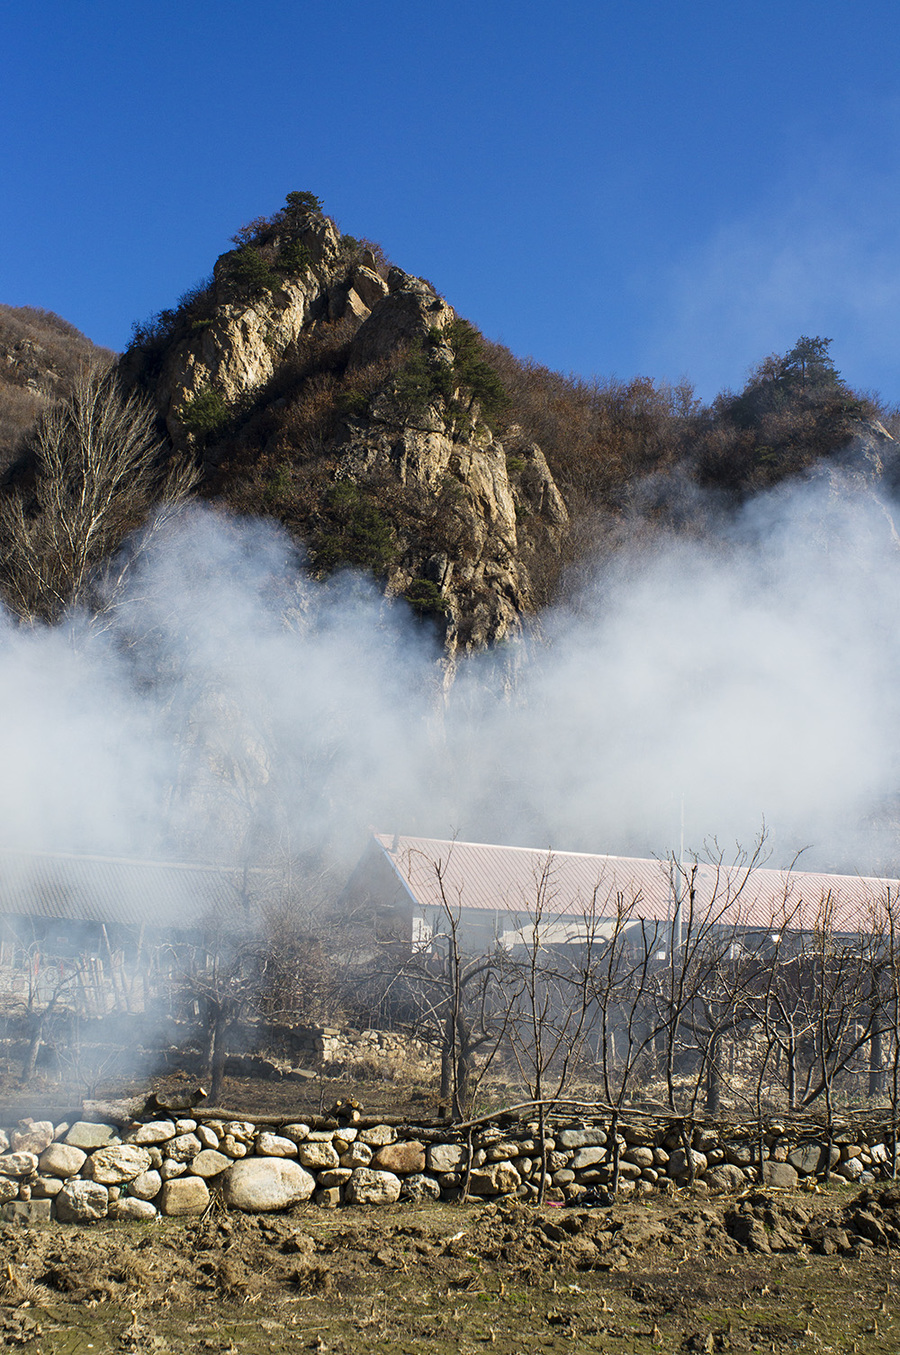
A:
[(485, 877), (119, 891)]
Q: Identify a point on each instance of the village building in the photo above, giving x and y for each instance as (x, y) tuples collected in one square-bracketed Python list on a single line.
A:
[(104, 933), (415, 886)]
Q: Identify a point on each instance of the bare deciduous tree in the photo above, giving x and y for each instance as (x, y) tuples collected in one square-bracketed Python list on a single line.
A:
[(546, 987), (98, 467)]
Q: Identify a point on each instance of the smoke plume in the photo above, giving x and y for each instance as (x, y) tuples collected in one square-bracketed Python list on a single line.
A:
[(230, 709)]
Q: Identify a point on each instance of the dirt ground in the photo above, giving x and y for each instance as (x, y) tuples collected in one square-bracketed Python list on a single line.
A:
[(770, 1272)]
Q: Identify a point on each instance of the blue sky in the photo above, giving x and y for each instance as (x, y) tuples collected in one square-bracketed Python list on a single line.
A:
[(649, 187)]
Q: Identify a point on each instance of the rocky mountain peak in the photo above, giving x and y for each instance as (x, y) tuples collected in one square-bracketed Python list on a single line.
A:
[(401, 471)]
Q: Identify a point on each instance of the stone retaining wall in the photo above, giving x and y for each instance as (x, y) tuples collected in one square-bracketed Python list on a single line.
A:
[(76, 1172)]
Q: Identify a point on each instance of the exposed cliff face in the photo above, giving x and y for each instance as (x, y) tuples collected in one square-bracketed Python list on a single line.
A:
[(238, 346), (467, 527)]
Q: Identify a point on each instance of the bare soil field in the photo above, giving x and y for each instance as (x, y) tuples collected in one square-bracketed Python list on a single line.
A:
[(766, 1271), (770, 1272)]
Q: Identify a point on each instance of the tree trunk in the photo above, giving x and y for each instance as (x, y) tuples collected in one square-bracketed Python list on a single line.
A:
[(217, 1059), (876, 1062), (34, 1045), (713, 1080)]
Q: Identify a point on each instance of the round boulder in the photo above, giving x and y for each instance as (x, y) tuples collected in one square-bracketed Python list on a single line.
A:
[(405, 1159), (61, 1159), (184, 1195), (210, 1163), (80, 1201), (262, 1184), (32, 1136), (132, 1208), (118, 1164), (372, 1187), (146, 1186)]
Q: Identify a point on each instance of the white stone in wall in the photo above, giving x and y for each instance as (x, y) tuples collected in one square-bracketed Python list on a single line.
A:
[(580, 1138), (378, 1135), (155, 1131), (183, 1147), (404, 1159), (335, 1177), (445, 1157), (31, 1136), (88, 1136), (117, 1164), (185, 1126), (242, 1130), (210, 1163), (61, 1159), (170, 1169), (233, 1147), (18, 1164), (317, 1156), (589, 1157), (495, 1178), (80, 1201), (207, 1136), (9, 1189), (45, 1187), (357, 1155), (275, 1145), (146, 1186), (366, 1186), (261, 1184), (297, 1132), (183, 1195)]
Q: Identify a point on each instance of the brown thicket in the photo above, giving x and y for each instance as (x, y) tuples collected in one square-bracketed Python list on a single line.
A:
[(41, 355)]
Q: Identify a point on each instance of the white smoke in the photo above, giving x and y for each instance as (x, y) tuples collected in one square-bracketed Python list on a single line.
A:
[(229, 708)]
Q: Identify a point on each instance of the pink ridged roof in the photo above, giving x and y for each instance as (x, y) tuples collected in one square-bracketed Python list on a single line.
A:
[(484, 877)]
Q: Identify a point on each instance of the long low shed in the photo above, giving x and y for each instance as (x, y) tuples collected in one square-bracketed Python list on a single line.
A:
[(493, 890)]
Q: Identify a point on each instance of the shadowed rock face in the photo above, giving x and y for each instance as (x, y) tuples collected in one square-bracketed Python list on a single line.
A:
[(472, 521)]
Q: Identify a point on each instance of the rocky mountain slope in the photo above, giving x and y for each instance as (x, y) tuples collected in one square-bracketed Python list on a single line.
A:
[(310, 381), (346, 397), (39, 356)]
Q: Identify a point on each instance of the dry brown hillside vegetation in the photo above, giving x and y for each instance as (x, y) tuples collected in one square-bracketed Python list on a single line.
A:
[(40, 355)]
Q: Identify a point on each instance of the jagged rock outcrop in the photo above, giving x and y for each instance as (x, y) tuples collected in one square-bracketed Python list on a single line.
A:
[(469, 526), (238, 347)]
